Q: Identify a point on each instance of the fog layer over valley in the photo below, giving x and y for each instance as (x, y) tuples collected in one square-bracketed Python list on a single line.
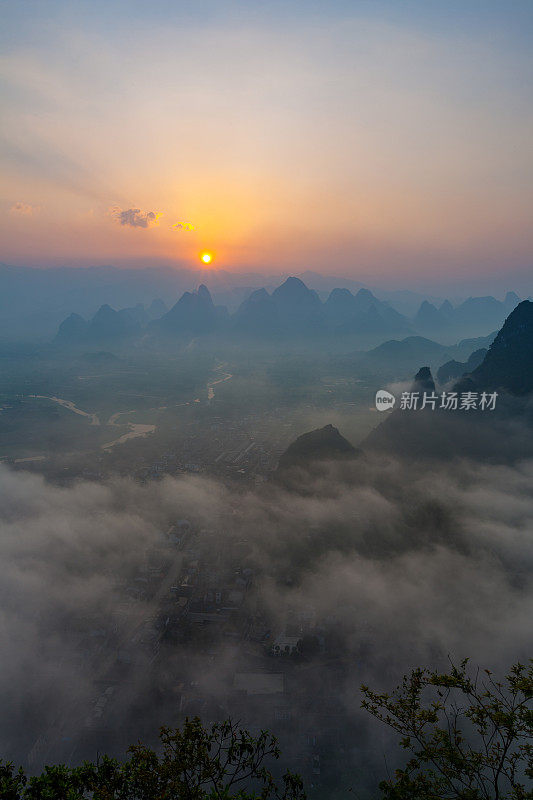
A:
[(126, 606)]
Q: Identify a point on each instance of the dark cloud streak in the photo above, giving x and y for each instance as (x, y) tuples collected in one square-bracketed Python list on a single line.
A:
[(134, 217)]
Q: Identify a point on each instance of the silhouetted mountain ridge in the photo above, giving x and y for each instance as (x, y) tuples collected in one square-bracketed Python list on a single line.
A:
[(475, 313), (291, 309), (455, 369), (508, 365), (322, 444), (194, 313)]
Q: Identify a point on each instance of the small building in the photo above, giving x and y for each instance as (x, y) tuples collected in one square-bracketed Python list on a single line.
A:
[(284, 645)]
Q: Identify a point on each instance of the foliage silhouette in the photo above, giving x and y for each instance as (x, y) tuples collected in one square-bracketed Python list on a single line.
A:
[(470, 737), (194, 763)]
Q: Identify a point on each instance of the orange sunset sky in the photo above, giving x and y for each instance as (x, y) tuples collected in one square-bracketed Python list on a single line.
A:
[(384, 139)]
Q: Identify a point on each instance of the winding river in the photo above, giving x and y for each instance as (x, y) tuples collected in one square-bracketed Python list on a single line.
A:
[(136, 429)]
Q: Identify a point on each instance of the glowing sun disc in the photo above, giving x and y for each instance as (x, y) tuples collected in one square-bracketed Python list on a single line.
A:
[(207, 258)]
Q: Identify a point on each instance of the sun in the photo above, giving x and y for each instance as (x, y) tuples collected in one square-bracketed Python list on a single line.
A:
[(206, 258)]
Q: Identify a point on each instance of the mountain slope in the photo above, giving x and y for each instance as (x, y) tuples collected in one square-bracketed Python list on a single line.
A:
[(72, 330), (455, 369), (322, 444), (508, 365), (257, 315), (194, 313)]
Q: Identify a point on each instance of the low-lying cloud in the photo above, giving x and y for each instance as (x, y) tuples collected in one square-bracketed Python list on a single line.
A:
[(401, 566)]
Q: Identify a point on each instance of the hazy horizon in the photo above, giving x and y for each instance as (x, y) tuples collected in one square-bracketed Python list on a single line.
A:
[(497, 285)]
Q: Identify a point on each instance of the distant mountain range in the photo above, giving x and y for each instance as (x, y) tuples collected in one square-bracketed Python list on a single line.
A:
[(108, 325), (291, 309), (398, 357), (503, 434), (472, 315), (34, 301)]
